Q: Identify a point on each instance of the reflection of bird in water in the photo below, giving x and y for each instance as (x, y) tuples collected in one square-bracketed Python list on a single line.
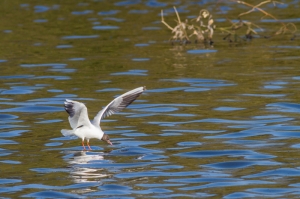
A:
[(81, 174), (83, 128), (82, 158)]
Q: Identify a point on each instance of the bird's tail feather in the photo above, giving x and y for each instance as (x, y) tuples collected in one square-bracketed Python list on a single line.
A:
[(66, 132)]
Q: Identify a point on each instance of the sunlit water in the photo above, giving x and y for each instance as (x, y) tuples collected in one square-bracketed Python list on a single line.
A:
[(217, 122)]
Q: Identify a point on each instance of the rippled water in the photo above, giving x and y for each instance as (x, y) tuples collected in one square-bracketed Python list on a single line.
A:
[(218, 122)]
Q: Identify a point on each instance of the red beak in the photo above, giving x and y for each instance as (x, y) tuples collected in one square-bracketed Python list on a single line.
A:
[(109, 142)]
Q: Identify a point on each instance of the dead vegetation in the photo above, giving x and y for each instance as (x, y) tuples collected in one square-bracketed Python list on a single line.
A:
[(203, 31), (202, 28)]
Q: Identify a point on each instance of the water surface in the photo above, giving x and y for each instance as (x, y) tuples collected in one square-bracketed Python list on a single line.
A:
[(215, 122)]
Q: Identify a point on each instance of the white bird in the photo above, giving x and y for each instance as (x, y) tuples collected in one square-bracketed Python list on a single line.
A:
[(83, 128)]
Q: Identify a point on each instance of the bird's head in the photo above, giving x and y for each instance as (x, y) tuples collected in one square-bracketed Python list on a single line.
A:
[(105, 138)]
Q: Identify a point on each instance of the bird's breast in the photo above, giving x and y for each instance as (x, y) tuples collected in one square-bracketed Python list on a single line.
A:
[(88, 132)]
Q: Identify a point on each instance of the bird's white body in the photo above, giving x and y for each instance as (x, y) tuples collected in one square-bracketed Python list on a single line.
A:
[(83, 128), (88, 132)]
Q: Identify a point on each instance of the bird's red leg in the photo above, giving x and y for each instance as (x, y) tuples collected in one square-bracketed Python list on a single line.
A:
[(83, 145), (88, 143)]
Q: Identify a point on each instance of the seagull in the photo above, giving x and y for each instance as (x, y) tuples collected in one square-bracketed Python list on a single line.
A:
[(83, 128)]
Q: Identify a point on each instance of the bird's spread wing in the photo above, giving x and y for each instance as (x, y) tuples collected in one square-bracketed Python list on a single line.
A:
[(77, 113), (118, 104)]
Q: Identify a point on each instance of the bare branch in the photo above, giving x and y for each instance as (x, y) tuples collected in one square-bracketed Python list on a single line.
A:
[(163, 21), (177, 14)]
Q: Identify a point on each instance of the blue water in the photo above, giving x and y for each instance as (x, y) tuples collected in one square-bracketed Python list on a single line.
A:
[(214, 122)]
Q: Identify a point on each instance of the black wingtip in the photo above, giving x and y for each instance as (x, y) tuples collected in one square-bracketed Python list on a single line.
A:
[(69, 108)]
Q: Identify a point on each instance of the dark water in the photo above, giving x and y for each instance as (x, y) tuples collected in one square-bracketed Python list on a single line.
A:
[(216, 122)]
